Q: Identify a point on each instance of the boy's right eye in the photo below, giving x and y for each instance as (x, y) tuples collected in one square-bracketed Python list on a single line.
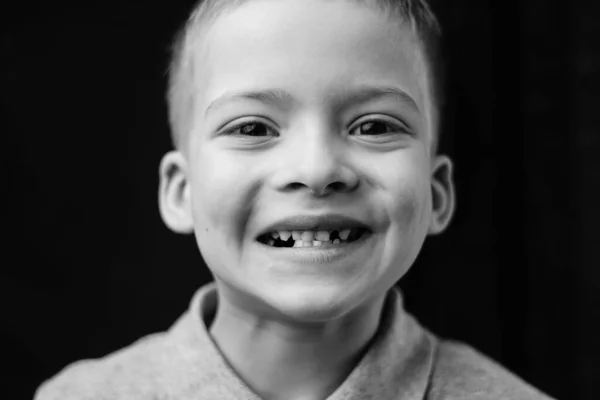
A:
[(249, 128)]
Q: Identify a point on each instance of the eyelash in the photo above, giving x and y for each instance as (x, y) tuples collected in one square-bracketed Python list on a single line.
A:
[(396, 128), (231, 131)]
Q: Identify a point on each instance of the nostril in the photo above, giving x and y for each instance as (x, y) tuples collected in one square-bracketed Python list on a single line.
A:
[(338, 186), (320, 190), (334, 187), (295, 186)]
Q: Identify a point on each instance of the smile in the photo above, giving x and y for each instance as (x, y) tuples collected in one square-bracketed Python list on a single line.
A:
[(313, 238)]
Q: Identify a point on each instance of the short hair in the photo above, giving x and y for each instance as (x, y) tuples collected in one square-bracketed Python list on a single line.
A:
[(180, 99)]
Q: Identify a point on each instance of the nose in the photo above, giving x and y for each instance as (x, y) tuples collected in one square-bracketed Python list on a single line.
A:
[(317, 161)]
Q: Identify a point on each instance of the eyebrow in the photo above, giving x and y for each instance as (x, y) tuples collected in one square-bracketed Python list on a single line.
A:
[(280, 98)]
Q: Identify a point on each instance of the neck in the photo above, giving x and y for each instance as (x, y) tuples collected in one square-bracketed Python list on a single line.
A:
[(280, 360)]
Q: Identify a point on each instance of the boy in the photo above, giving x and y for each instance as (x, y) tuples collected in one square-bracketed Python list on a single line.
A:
[(306, 167)]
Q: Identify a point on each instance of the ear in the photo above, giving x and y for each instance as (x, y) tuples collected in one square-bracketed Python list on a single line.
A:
[(442, 194), (174, 193)]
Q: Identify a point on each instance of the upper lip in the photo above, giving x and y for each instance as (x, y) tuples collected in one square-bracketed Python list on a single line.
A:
[(315, 222)]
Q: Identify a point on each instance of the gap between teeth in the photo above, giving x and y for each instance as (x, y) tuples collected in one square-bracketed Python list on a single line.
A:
[(310, 236)]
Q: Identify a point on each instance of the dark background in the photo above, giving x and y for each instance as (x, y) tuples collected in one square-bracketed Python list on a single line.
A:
[(89, 267)]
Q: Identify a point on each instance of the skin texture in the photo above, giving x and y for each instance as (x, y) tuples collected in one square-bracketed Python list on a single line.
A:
[(296, 330)]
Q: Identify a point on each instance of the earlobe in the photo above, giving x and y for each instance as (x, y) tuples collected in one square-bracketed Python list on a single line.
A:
[(174, 193), (442, 193)]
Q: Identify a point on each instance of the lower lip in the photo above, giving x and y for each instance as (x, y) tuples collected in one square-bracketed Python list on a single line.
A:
[(319, 255)]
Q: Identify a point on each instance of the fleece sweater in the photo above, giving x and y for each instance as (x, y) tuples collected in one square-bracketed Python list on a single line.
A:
[(404, 361)]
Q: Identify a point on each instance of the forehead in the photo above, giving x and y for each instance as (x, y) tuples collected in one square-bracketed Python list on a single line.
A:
[(313, 49)]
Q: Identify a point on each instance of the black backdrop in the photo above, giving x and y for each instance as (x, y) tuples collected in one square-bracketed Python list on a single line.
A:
[(89, 267)]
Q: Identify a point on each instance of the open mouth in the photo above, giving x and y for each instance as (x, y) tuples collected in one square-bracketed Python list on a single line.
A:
[(312, 238)]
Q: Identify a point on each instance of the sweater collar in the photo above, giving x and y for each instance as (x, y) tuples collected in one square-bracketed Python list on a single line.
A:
[(397, 365)]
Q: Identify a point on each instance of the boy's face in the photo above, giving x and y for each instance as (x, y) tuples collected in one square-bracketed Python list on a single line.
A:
[(311, 152)]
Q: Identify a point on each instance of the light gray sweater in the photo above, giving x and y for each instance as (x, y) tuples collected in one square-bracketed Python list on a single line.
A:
[(403, 362)]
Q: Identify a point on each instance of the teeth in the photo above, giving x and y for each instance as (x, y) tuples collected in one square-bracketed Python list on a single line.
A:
[(322, 236), (271, 242), (316, 243), (308, 236), (344, 234), (284, 235)]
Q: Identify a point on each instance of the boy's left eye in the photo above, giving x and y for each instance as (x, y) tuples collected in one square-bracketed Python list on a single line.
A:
[(378, 127)]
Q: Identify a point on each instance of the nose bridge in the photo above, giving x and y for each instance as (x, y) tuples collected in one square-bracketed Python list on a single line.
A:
[(318, 158), (319, 152)]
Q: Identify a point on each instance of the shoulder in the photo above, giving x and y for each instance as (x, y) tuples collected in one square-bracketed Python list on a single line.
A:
[(129, 373), (461, 372)]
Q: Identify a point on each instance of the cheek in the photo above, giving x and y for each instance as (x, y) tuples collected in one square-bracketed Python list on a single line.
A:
[(409, 202), (407, 208), (220, 198)]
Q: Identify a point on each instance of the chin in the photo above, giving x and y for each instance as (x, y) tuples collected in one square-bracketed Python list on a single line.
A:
[(312, 303)]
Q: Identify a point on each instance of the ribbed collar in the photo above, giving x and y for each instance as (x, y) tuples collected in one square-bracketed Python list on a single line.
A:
[(397, 364)]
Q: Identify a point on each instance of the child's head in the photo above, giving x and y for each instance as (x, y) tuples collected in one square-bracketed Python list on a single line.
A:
[(289, 110)]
